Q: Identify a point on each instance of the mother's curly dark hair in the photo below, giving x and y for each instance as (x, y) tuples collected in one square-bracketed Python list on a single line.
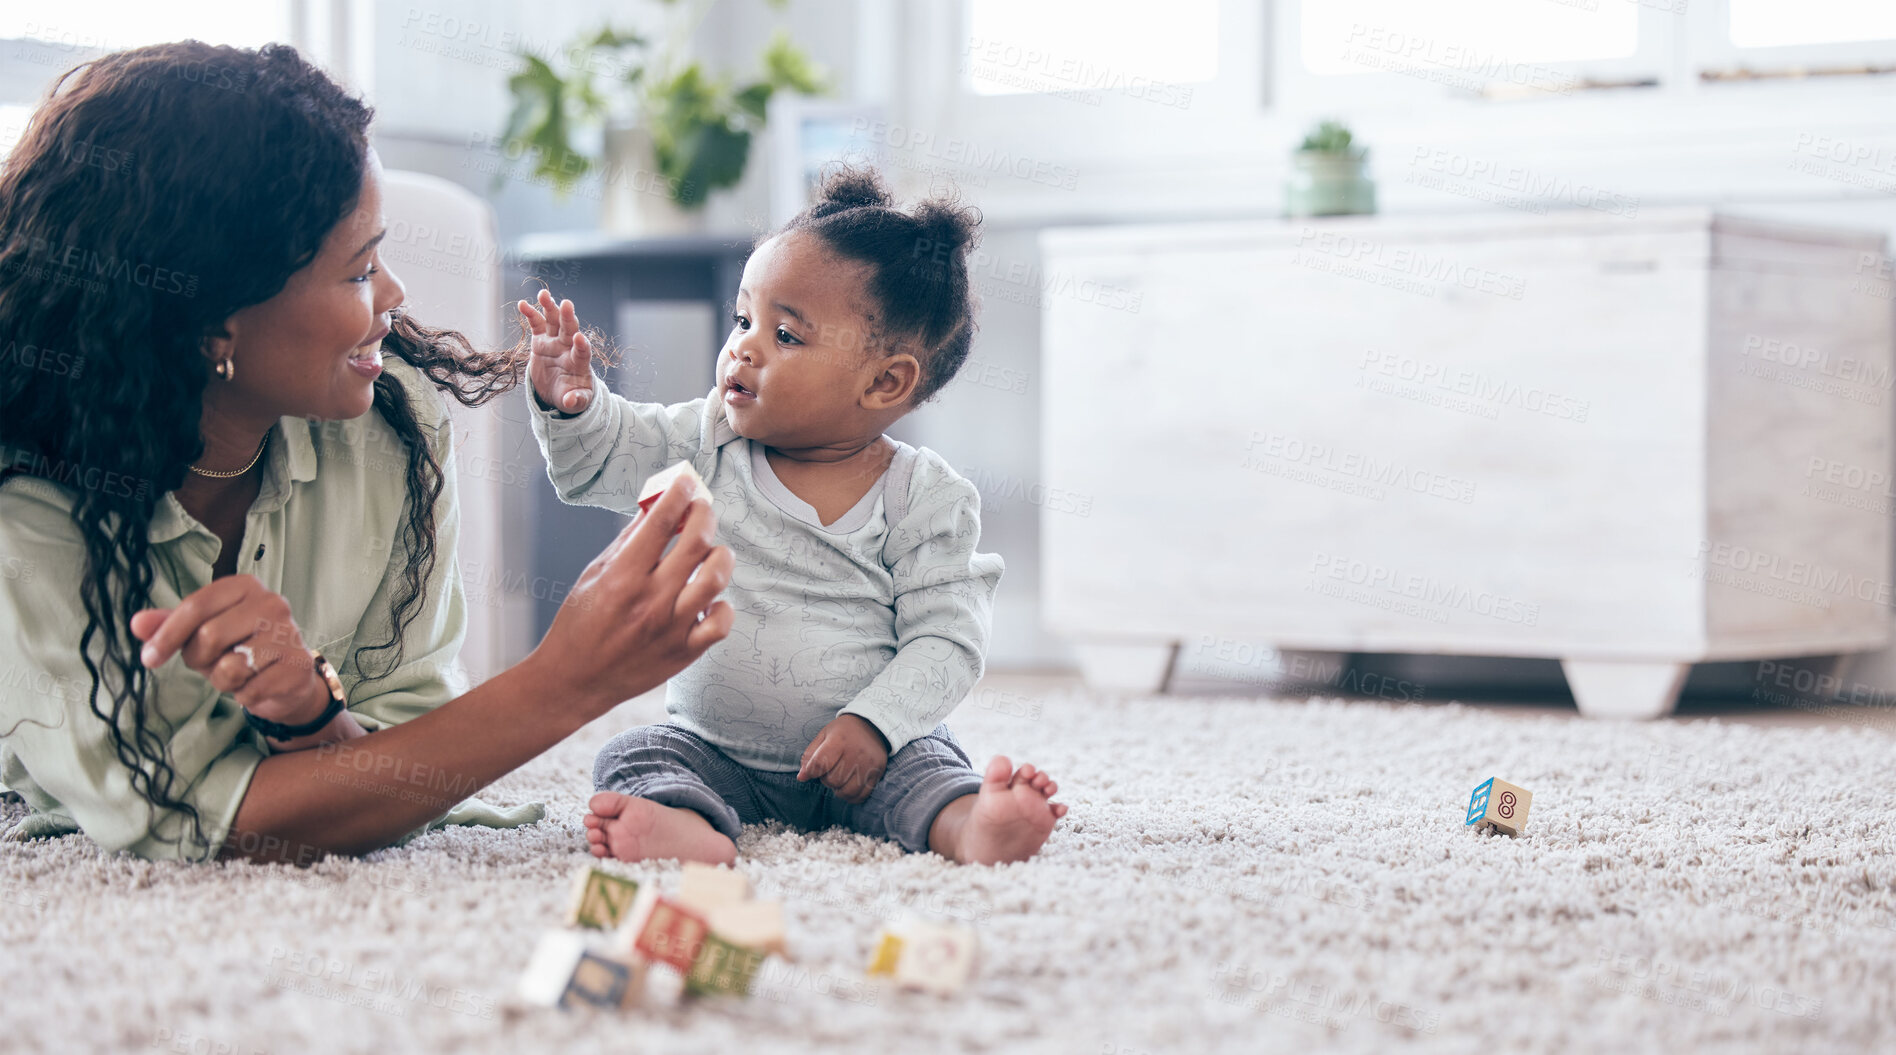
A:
[(198, 179)]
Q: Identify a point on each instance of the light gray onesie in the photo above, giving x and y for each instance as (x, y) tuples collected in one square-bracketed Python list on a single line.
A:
[(884, 613)]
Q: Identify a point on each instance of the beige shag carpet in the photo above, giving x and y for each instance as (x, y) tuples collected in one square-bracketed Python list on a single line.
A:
[(1236, 875)]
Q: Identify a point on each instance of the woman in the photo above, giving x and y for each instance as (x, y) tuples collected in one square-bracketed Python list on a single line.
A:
[(229, 603)]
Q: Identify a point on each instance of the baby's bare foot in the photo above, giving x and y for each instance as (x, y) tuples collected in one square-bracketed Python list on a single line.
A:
[(1011, 816), (642, 830)]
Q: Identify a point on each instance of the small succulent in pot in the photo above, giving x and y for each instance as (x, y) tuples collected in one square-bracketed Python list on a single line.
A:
[(1329, 175)]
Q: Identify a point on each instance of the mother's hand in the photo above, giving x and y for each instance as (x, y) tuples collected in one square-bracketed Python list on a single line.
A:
[(242, 638), (639, 615)]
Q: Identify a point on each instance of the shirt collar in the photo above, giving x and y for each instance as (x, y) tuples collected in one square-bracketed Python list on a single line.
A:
[(290, 460)]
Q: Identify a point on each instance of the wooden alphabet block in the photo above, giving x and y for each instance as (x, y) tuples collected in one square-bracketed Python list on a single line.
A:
[(671, 933), (751, 924), (564, 971), (723, 967), (929, 956), (621, 943), (659, 482), (551, 968), (935, 958), (703, 887), (598, 981), (1499, 804), (888, 951), (635, 978), (600, 899)]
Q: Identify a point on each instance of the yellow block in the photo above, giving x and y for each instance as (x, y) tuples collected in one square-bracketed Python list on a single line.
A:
[(887, 953)]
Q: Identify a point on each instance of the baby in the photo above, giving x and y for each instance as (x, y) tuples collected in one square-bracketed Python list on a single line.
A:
[(861, 606)]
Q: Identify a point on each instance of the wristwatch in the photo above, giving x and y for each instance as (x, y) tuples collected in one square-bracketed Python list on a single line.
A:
[(337, 701)]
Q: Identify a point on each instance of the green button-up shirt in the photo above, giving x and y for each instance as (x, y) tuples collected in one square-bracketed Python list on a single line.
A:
[(324, 532)]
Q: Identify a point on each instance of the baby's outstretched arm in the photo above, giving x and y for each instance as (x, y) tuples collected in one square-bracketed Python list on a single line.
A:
[(560, 360), (600, 447)]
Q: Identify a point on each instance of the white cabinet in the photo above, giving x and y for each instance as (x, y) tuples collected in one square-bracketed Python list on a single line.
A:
[(1630, 444)]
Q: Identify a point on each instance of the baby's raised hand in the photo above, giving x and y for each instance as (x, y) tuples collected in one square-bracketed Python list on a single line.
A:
[(848, 756), (560, 364)]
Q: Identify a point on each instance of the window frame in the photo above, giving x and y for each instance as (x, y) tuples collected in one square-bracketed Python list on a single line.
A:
[(335, 34), (1304, 91), (1677, 140), (1714, 51), (949, 100)]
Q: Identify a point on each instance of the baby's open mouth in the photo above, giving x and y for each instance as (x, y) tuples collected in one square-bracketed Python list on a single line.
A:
[(734, 386)]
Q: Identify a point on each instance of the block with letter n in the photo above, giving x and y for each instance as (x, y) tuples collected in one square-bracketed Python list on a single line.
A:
[(599, 899)]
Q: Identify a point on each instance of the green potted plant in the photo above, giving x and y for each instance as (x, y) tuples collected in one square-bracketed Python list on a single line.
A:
[(668, 132), (1329, 175)]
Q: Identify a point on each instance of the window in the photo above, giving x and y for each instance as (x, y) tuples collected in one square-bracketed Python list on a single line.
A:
[(1367, 36), (1781, 23), (1346, 54), (111, 25), (1038, 105), (1086, 45), (1350, 54), (40, 42), (13, 117), (1749, 38)]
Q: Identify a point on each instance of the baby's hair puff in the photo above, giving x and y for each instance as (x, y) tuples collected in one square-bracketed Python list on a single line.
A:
[(917, 264)]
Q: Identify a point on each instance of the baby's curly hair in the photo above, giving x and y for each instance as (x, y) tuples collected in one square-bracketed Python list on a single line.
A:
[(917, 261)]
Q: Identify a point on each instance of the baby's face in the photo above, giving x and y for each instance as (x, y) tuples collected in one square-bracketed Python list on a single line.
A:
[(795, 368)]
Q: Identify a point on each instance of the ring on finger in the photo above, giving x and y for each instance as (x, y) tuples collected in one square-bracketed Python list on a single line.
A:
[(250, 658)]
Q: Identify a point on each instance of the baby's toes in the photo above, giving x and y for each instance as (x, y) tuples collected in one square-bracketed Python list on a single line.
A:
[(607, 804), (608, 846), (1059, 810)]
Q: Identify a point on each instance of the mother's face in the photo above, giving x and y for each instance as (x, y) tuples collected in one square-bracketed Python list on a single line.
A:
[(315, 349)]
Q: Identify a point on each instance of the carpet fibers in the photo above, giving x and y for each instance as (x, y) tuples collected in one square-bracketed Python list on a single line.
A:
[(1235, 875)]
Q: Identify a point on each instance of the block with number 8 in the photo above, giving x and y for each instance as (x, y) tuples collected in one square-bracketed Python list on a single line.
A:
[(1500, 805)]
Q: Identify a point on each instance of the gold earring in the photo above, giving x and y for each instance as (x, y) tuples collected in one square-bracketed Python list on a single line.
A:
[(227, 368)]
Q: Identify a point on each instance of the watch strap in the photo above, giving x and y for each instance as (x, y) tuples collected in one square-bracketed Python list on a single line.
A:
[(337, 701)]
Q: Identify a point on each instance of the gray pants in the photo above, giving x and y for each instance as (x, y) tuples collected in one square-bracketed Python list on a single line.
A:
[(676, 767)]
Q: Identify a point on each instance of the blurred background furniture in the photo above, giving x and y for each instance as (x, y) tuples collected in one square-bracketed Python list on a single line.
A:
[(443, 244), (1631, 444)]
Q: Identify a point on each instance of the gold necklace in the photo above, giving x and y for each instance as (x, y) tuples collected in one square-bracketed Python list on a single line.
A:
[(236, 472)]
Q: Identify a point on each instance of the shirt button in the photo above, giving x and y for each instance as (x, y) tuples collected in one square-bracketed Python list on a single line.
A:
[(259, 555)]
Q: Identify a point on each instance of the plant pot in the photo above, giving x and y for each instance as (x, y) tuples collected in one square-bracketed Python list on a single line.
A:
[(1327, 184), (636, 201)]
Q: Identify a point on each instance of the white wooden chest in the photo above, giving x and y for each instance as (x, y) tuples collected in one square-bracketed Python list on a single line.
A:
[(1630, 444)]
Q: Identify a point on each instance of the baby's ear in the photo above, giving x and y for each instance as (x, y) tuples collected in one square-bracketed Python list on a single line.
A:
[(896, 379)]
